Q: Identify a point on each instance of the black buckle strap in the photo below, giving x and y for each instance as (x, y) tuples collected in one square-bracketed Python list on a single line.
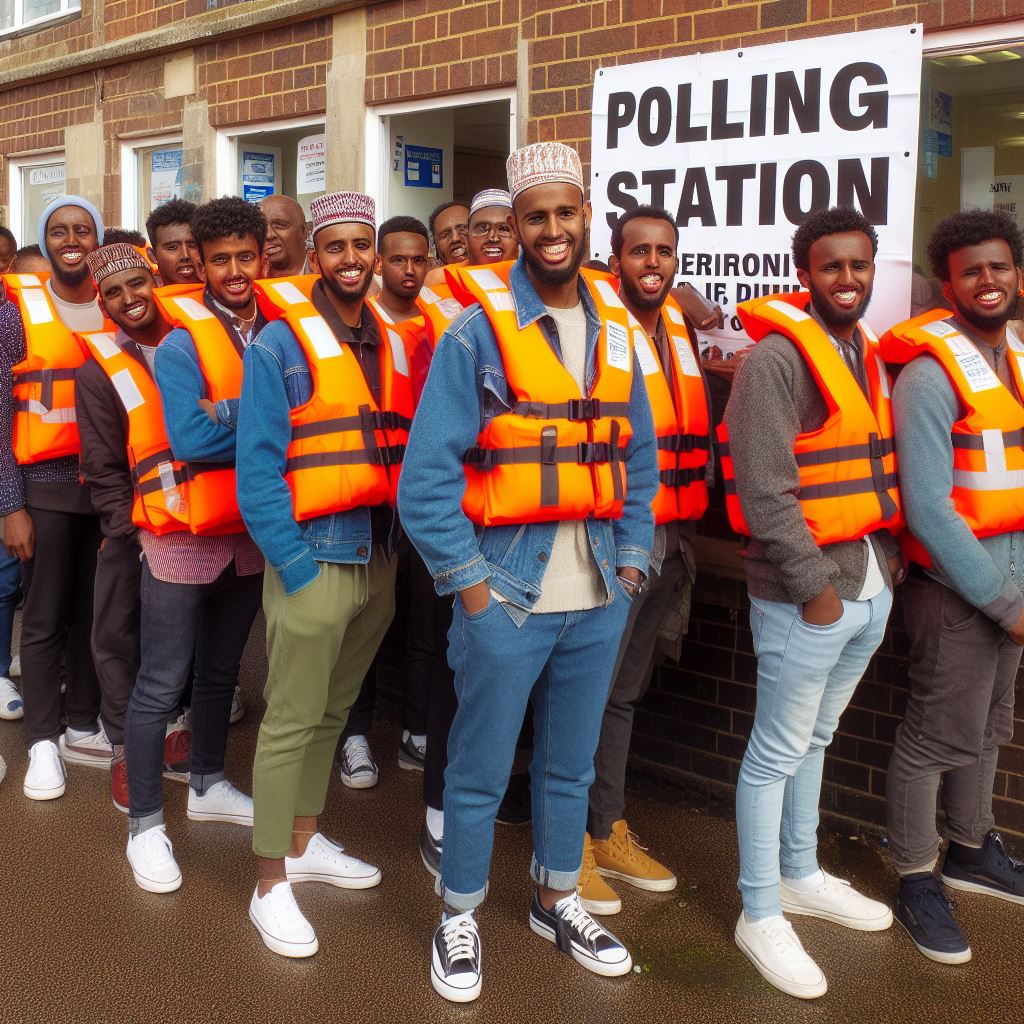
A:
[(875, 448), (46, 378), (975, 442), (678, 478), (387, 419), (576, 410), (546, 454), (684, 443), (844, 488)]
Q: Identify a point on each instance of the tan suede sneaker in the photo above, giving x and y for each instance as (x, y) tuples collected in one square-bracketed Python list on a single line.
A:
[(620, 856), (596, 895)]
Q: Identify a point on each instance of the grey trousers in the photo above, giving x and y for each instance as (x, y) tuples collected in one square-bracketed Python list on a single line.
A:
[(962, 673), (630, 679)]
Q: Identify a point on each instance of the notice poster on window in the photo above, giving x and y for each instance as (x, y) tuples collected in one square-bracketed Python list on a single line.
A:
[(741, 146), (47, 183), (311, 172), (423, 167), (257, 175), (165, 176)]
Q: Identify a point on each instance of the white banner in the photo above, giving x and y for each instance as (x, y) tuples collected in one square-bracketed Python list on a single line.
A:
[(741, 146)]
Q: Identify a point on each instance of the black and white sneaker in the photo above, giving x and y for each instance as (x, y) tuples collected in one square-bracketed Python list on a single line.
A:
[(457, 962), (430, 851), (411, 754), (575, 932)]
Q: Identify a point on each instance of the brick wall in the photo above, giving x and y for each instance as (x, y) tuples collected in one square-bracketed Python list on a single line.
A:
[(33, 117)]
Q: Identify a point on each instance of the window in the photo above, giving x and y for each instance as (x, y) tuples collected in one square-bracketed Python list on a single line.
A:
[(151, 173), (16, 15), (34, 183)]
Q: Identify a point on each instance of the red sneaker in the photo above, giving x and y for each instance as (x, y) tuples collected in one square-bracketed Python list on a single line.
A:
[(177, 750), (119, 783)]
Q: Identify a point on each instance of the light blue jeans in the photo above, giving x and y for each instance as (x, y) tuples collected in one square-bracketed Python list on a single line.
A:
[(806, 676), (564, 660)]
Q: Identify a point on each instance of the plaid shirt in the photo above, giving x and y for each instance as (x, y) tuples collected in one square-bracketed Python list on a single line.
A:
[(182, 557)]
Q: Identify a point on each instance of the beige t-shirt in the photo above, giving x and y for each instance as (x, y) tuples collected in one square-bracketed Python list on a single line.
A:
[(572, 580), (77, 316)]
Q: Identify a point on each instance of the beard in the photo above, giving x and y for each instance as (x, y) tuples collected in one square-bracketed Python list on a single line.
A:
[(70, 278), (833, 316), (558, 275), (641, 300), (350, 295), (986, 321)]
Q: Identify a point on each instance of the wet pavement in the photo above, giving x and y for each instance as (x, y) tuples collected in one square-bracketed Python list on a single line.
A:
[(80, 942)]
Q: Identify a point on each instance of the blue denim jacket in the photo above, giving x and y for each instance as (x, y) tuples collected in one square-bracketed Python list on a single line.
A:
[(465, 390), (276, 379)]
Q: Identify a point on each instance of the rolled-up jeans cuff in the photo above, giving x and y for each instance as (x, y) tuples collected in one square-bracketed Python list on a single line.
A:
[(202, 783), (560, 881), (459, 901), (136, 826)]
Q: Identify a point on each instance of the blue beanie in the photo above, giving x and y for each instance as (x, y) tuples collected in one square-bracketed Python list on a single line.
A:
[(59, 203)]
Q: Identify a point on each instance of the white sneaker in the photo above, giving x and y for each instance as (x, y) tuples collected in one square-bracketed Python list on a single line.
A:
[(456, 963), (3, 769), (358, 768), (94, 751), (836, 900), (11, 707), (221, 802), (280, 922), (325, 861), (45, 778), (237, 707), (772, 947), (15, 670), (151, 857)]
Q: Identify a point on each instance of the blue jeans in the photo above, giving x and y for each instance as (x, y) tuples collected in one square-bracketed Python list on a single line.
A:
[(209, 623), (806, 676), (565, 660), (10, 595)]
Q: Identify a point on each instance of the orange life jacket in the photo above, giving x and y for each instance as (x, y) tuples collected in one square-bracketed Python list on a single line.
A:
[(44, 425), (555, 454), (681, 420), (988, 442), (213, 505), (847, 467), (440, 308), (161, 484), (346, 451)]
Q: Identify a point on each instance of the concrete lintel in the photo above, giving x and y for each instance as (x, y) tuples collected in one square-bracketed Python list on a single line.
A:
[(199, 29)]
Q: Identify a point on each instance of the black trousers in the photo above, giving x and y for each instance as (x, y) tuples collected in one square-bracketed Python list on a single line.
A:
[(115, 630), (57, 623)]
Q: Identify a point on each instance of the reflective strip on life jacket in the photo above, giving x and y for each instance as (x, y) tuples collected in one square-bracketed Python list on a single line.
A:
[(212, 499), (345, 451), (556, 454), (988, 441), (847, 468), (44, 425), (681, 420)]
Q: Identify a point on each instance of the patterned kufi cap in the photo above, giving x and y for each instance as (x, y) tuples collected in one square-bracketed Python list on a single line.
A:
[(543, 162), (490, 197), (342, 208), (111, 259)]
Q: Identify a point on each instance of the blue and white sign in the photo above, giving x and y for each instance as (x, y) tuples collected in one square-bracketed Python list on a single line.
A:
[(165, 175), (257, 175), (423, 167)]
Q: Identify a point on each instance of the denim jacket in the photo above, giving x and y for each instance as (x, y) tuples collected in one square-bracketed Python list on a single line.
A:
[(275, 380), (465, 390)]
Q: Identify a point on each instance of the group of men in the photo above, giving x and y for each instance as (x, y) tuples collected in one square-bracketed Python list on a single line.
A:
[(237, 417)]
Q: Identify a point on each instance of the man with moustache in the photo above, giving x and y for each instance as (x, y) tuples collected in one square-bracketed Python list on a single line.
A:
[(107, 392), (172, 246), (513, 493), (491, 238), (959, 423), (49, 521), (325, 412), (809, 469), (644, 260), (285, 247), (200, 588), (449, 227)]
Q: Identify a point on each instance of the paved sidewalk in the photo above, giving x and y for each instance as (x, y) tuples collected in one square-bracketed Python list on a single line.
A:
[(79, 942)]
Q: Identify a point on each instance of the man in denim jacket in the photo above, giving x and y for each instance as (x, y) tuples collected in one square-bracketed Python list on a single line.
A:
[(541, 610), (329, 592)]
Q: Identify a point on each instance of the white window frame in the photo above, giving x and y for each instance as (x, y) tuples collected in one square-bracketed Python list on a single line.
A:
[(378, 131), (15, 193), (20, 25), (229, 138), (992, 36), (130, 152)]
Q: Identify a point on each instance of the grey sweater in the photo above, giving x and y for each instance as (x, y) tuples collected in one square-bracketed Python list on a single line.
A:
[(774, 398), (988, 573)]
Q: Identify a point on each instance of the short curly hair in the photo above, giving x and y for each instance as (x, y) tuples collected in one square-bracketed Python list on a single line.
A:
[(644, 210), (174, 211), (835, 221), (972, 227), (228, 217)]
